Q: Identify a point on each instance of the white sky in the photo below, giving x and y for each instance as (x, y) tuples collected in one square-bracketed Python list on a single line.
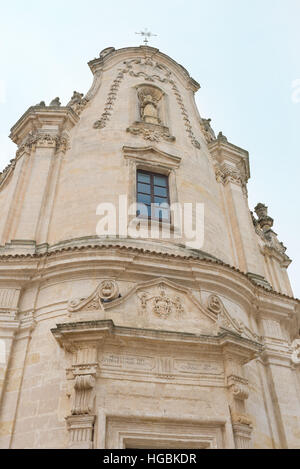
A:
[(244, 53)]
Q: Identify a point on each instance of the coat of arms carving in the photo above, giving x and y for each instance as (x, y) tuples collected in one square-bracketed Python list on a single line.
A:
[(162, 305)]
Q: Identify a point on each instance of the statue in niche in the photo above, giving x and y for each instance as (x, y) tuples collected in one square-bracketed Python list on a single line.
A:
[(149, 98)]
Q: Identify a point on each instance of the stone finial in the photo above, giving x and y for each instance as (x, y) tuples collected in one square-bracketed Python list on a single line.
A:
[(55, 102), (264, 221), (76, 99), (222, 137), (106, 51)]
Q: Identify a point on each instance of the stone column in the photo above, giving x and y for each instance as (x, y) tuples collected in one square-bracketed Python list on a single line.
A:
[(238, 393), (278, 361), (83, 373), (14, 380)]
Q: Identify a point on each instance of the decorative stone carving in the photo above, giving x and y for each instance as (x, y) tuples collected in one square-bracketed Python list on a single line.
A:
[(106, 51), (44, 140), (242, 430), (296, 352), (150, 71), (162, 305), (150, 127), (263, 227), (108, 108), (207, 130), (81, 431), (84, 395), (149, 98), (238, 387), (216, 306), (78, 102), (226, 174), (107, 291), (55, 102), (264, 221), (83, 375), (151, 132)]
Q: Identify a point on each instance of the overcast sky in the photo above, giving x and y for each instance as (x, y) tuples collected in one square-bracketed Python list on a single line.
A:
[(244, 53)]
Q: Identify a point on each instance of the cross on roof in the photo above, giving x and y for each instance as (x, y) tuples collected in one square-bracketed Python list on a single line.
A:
[(146, 34)]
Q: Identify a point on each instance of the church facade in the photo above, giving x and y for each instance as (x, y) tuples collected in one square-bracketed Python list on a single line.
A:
[(142, 304)]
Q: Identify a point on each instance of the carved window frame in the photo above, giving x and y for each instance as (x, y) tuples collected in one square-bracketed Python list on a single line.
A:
[(130, 431), (154, 161)]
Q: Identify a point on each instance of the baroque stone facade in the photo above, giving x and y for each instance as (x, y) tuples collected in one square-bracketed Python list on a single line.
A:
[(119, 342)]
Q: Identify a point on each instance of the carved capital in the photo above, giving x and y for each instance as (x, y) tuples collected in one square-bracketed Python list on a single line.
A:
[(238, 386), (44, 140)]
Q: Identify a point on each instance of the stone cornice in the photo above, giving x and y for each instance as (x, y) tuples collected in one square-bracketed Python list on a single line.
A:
[(112, 55), (150, 155), (38, 116), (25, 265), (231, 161), (71, 335)]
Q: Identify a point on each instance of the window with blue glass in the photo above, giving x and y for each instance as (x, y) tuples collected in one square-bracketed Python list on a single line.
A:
[(153, 192)]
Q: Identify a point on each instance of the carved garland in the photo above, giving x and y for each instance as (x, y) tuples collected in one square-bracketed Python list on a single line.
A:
[(108, 108), (102, 122)]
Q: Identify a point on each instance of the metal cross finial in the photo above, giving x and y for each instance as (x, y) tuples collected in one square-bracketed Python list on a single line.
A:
[(146, 34)]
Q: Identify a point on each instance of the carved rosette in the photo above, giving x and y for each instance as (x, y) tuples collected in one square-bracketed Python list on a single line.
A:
[(215, 305), (224, 319), (107, 291)]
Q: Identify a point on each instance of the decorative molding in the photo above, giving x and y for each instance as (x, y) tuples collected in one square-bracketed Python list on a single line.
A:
[(84, 397), (162, 305), (152, 156), (207, 130), (39, 139), (78, 102), (158, 73), (151, 132), (272, 246), (107, 291), (239, 387), (224, 319), (81, 431), (296, 352), (149, 98), (110, 101)]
